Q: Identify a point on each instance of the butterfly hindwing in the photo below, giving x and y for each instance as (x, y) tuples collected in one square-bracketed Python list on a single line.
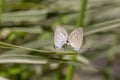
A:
[(60, 37), (75, 39)]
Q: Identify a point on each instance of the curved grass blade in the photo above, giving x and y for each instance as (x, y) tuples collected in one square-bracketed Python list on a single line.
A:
[(35, 50), (32, 59)]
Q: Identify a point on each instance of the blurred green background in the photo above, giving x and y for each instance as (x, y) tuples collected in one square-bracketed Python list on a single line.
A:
[(26, 40)]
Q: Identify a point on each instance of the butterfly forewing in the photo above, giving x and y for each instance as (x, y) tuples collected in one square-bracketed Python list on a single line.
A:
[(75, 39), (60, 37)]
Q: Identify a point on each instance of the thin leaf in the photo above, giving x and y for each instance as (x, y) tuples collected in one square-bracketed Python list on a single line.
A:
[(35, 50)]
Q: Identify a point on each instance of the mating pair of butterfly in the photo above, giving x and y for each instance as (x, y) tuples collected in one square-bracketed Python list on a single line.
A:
[(75, 38)]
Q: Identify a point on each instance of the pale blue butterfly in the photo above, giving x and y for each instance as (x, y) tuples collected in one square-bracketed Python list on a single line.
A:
[(75, 39)]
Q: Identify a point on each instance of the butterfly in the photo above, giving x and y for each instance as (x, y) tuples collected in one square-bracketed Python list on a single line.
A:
[(75, 38)]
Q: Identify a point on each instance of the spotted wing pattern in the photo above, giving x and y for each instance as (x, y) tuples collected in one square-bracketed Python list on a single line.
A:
[(60, 37), (75, 39)]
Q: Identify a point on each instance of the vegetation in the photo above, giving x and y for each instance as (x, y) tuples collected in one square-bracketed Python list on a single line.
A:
[(27, 47)]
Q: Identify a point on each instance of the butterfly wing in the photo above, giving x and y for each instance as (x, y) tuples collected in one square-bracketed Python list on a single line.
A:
[(75, 39), (60, 37)]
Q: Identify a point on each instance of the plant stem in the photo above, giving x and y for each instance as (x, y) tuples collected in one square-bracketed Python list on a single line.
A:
[(81, 16), (58, 73), (0, 8), (79, 23), (71, 69)]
